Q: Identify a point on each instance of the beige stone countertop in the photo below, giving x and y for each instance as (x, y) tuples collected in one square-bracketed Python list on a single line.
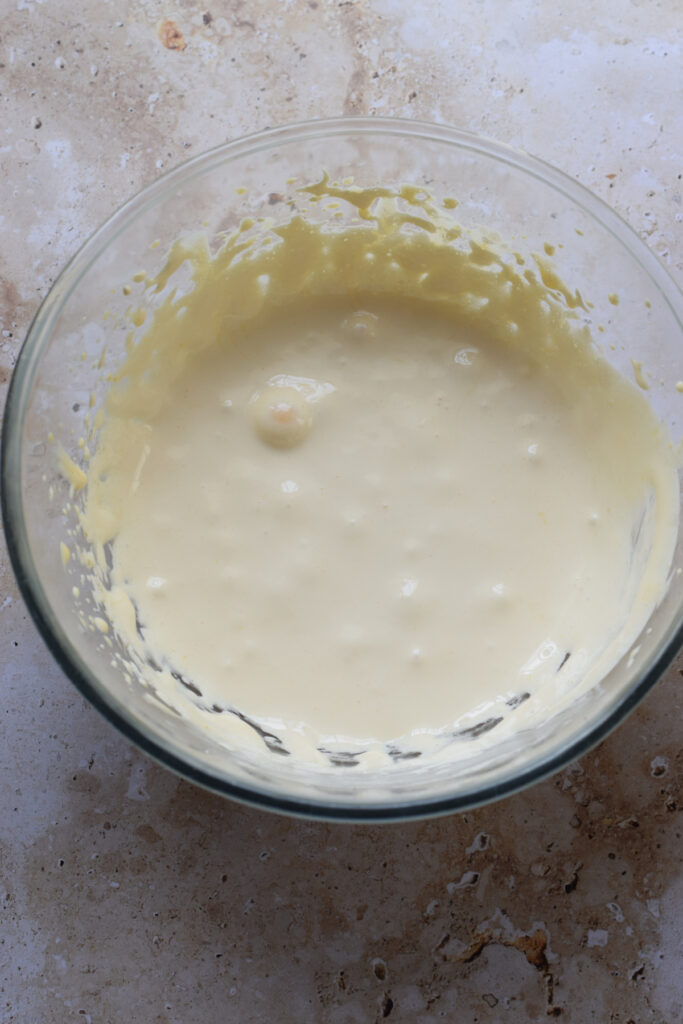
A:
[(127, 894)]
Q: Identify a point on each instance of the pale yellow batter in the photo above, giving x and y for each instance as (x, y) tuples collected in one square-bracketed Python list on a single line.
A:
[(374, 483)]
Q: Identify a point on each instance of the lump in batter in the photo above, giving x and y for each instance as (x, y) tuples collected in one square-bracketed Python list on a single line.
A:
[(281, 416)]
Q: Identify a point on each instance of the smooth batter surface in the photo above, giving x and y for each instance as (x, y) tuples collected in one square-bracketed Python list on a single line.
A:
[(362, 498)]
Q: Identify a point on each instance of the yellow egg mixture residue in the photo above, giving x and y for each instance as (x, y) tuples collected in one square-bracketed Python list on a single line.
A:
[(372, 485)]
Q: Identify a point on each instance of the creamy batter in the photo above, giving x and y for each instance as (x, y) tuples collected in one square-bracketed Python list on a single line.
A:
[(371, 484)]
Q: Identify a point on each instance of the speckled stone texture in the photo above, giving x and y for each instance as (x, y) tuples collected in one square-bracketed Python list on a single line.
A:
[(126, 894)]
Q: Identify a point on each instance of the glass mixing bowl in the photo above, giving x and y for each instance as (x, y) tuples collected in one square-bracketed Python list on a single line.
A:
[(498, 189)]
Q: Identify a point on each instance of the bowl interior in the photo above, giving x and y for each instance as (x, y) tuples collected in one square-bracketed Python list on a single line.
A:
[(61, 380)]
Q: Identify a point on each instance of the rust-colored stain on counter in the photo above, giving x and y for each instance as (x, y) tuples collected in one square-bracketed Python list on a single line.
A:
[(171, 36)]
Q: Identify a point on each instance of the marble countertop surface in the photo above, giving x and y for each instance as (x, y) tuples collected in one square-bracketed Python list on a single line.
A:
[(128, 894)]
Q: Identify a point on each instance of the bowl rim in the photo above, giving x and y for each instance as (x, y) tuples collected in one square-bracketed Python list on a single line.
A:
[(16, 535)]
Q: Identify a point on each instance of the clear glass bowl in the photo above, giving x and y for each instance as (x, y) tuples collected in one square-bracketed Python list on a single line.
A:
[(498, 189)]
